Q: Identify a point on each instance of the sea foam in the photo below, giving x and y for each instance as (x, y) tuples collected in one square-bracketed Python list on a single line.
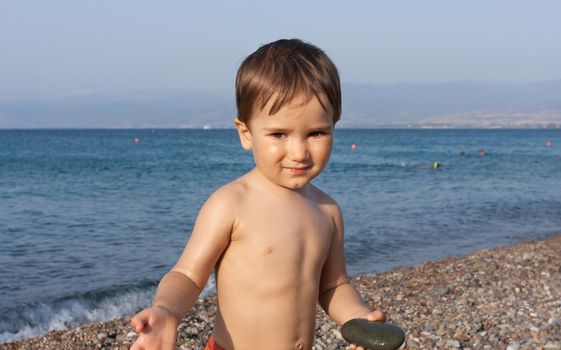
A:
[(36, 319)]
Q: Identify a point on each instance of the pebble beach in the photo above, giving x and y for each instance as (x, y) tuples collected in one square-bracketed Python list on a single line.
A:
[(503, 298)]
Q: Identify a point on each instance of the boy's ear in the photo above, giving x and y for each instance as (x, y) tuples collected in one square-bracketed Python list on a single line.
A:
[(244, 134)]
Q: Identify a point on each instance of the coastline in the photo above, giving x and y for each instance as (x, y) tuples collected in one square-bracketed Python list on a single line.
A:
[(500, 298)]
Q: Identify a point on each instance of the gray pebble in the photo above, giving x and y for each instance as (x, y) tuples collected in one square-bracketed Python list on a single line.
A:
[(513, 346), (552, 345), (453, 344), (325, 328)]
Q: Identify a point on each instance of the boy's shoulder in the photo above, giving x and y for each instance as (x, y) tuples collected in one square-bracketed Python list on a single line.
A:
[(320, 196), (226, 203), (230, 193), (330, 207), (324, 200)]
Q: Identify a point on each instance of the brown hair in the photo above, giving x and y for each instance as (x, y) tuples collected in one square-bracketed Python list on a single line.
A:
[(282, 70)]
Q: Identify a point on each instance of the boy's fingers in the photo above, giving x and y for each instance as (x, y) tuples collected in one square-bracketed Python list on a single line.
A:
[(354, 347), (137, 323), (377, 316)]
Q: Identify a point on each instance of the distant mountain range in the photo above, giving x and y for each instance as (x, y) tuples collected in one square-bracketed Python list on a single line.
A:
[(454, 104)]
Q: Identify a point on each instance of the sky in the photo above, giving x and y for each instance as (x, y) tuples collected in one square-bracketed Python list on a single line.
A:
[(60, 48)]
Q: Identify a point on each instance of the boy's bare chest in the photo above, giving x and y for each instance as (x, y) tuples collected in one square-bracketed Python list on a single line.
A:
[(287, 232)]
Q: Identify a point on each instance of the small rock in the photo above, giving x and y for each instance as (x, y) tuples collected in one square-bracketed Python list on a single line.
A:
[(453, 344), (320, 345), (191, 330), (444, 291), (513, 346), (440, 331), (552, 345), (337, 334), (413, 343), (459, 334), (131, 334), (102, 336)]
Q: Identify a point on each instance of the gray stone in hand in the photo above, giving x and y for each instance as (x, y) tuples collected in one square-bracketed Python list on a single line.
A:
[(373, 335)]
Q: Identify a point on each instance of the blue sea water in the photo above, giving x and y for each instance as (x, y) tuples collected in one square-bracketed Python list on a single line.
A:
[(91, 220)]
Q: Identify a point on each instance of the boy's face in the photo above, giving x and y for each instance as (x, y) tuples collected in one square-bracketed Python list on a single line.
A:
[(292, 146)]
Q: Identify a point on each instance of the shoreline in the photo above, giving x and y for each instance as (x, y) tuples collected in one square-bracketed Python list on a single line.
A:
[(500, 298)]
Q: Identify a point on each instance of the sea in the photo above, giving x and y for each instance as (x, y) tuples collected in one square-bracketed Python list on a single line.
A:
[(90, 220)]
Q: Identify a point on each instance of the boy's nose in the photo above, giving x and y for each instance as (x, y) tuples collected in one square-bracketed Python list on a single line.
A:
[(297, 150)]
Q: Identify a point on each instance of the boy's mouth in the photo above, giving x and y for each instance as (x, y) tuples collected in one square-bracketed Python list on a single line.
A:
[(300, 170)]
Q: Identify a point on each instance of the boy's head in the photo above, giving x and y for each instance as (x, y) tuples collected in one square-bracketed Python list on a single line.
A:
[(281, 71)]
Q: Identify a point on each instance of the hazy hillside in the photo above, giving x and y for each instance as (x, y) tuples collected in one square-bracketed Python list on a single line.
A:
[(188, 111), (454, 104), (420, 104)]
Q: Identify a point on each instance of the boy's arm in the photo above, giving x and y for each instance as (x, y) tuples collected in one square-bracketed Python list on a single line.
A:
[(337, 296), (180, 288)]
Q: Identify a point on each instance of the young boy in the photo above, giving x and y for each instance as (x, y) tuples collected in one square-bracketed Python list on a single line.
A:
[(274, 239)]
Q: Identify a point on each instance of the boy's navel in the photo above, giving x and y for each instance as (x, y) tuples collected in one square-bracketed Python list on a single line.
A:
[(268, 250)]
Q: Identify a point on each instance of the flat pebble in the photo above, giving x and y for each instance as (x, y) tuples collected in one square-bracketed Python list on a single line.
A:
[(552, 345)]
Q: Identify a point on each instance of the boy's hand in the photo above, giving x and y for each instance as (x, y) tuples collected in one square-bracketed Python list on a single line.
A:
[(157, 328), (374, 316)]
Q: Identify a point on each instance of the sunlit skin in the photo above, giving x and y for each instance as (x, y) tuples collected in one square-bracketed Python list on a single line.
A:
[(274, 240)]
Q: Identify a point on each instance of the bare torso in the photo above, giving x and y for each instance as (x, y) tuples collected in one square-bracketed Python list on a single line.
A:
[(268, 277)]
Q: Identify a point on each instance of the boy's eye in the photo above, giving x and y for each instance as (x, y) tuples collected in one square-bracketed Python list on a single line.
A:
[(277, 135), (316, 133)]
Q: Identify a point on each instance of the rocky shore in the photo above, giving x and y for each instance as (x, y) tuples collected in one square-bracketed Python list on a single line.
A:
[(505, 298)]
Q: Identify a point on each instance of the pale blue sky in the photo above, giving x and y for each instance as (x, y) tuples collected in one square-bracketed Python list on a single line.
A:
[(57, 48)]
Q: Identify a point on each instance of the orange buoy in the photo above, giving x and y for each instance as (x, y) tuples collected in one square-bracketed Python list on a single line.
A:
[(353, 147)]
